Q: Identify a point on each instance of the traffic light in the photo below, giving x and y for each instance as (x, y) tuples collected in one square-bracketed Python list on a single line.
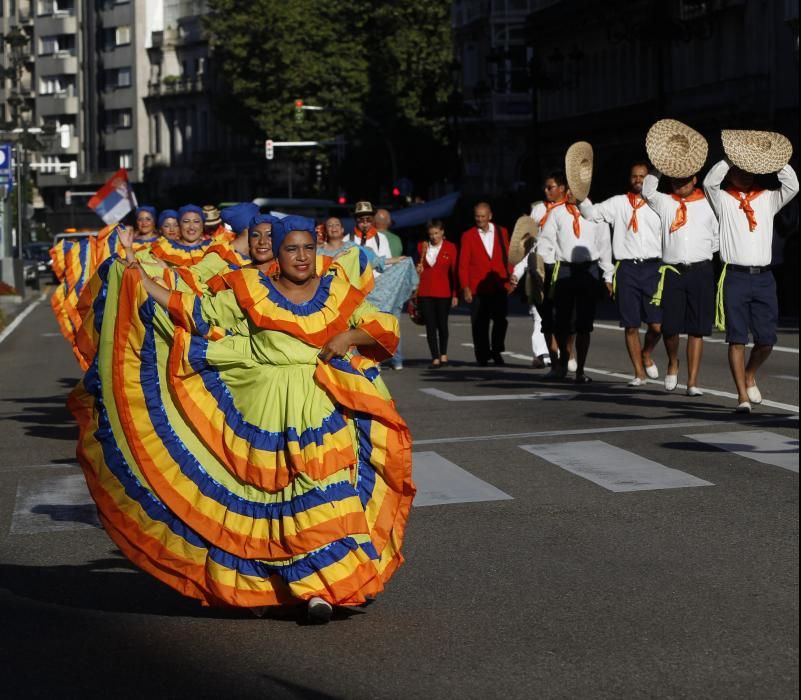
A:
[(342, 199), (298, 111), (396, 192), (269, 149)]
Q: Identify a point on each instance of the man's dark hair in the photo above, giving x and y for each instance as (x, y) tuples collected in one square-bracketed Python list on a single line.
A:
[(641, 163), (558, 176)]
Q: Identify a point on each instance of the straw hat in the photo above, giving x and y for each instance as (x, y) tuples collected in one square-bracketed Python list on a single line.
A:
[(525, 228), (758, 152), (212, 215), (363, 209), (675, 149), (578, 169)]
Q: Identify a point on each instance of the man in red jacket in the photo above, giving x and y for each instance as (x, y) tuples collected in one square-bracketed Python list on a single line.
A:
[(483, 276)]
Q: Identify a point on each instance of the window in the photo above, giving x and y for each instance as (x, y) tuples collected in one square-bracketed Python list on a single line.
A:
[(119, 118), (123, 35), (62, 85), (117, 78), (58, 43), (56, 7)]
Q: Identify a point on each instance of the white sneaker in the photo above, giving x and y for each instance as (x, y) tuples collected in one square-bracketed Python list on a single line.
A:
[(694, 391), (754, 395), (318, 611), (744, 407), (636, 382), (652, 371), (671, 381), (572, 365)]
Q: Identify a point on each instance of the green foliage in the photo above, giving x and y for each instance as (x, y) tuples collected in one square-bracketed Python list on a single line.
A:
[(276, 51)]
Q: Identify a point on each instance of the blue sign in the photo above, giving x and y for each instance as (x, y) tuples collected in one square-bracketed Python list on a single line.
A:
[(5, 159)]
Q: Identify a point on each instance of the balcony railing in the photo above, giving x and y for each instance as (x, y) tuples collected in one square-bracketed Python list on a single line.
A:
[(179, 86)]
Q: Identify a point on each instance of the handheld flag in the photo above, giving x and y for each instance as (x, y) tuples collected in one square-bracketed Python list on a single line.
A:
[(114, 199)]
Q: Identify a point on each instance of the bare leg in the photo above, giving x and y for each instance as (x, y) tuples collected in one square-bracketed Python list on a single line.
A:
[(695, 350), (652, 336), (737, 367), (759, 353), (582, 348), (636, 353), (672, 347)]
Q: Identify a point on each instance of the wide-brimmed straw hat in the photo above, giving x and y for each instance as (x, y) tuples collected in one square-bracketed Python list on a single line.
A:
[(758, 152), (525, 228), (675, 149), (363, 209), (212, 215), (578, 169)]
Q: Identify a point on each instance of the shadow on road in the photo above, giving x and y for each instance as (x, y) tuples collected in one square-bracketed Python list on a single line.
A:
[(46, 416)]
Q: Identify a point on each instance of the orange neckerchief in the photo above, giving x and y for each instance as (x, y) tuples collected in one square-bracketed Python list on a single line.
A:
[(681, 212), (745, 204), (636, 202), (548, 207), (362, 239), (572, 209)]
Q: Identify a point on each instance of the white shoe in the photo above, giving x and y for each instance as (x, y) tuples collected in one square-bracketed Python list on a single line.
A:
[(636, 382), (652, 371), (671, 381), (572, 365), (318, 611), (754, 395), (744, 407), (694, 391)]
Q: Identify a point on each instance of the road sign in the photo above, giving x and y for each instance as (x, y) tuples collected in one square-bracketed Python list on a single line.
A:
[(269, 152), (5, 159)]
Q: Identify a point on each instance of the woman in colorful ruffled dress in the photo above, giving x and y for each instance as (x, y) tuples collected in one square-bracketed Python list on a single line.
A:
[(190, 246), (234, 447)]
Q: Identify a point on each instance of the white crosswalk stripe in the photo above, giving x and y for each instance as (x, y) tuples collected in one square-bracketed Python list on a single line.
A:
[(440, 481), (613, 468), (759, 445), (53, 503)]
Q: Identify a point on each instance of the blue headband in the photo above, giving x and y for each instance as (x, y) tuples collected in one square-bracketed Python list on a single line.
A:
[(289, 224), (194, 208), (167, 214), (238, 216), (265, 219), (150, 210)]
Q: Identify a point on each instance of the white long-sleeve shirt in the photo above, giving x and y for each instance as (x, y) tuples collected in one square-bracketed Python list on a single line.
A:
[(594, 241), (544, 248), (738, 244), (627, 244), (696, 240)]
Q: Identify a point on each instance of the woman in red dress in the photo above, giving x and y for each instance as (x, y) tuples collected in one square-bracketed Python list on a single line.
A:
[(437, 292)]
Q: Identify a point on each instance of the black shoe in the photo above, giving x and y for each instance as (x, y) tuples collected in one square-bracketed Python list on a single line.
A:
[(538, 363), (497, 358), (583, 379), (318, 611), (482, 363)]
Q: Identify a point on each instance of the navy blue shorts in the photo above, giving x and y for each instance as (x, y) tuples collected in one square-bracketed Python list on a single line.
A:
[(688, 300), (635, 286), (750, 303), (576, 293)]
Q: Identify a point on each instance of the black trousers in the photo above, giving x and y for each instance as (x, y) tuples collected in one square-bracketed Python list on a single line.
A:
[(488, 308), (435, 312)]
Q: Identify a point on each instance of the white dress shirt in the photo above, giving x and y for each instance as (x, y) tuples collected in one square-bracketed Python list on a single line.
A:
[(738, 244), (432, 253), (694, 242), (627, 244), (488, 238), (544, 248), (593, 244)]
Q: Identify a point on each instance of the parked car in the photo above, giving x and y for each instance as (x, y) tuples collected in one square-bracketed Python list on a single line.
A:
[(36, 262)]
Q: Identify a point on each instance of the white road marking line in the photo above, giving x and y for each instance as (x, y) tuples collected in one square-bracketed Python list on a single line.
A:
[(597, 431), (49, 465), (787, 377), (50, 335), (439, 481), (660, 382), (541, 395), (613, 468), (718, 341), (20, 318), (53, 503), (759, 445)]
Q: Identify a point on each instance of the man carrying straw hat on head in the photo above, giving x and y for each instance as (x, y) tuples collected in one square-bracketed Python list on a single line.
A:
[(580, 248), (637, 250), (689, 239), (747, 290)]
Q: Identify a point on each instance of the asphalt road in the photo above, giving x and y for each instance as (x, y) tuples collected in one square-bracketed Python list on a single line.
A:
[(556, 557)]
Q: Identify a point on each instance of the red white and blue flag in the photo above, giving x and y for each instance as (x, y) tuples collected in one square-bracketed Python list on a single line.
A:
[(114, 199)]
